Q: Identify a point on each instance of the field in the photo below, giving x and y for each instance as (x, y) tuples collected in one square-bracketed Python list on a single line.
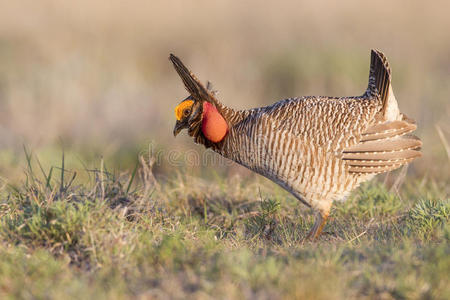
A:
[(99, 201)]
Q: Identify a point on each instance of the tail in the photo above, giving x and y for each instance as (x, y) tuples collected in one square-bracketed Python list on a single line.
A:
[(380, 85), (387, 144)]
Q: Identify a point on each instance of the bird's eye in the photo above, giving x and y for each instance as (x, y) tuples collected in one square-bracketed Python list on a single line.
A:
[(186, 112)]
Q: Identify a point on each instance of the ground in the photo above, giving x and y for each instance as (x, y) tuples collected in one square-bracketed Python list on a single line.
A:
[(119, 236)]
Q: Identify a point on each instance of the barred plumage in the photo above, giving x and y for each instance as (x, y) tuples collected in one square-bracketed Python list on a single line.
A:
[(318, 148)]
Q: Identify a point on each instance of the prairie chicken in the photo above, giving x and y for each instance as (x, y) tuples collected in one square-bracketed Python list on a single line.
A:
[(317, 148)]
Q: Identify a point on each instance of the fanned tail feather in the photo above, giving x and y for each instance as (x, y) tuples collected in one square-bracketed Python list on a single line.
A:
[(383, 147)]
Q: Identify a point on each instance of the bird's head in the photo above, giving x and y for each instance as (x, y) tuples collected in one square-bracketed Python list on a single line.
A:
[(198, 113)]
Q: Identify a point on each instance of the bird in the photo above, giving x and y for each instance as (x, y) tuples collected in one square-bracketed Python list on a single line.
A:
[(318, 148)]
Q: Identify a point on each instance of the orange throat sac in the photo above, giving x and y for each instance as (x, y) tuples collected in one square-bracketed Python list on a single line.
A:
[(214, 126)]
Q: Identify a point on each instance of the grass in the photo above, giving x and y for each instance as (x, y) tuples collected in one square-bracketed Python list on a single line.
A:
[(136, 236)]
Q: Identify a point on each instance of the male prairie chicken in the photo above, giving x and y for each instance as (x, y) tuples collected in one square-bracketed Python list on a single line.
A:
[(317, 148)]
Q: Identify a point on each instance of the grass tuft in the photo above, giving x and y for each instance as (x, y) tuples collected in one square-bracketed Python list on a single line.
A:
[(427, 216)]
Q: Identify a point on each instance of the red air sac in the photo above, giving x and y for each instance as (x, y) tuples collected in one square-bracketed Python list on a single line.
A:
[(214, 126)]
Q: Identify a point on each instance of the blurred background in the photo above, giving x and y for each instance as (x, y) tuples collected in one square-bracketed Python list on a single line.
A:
[(93, 78)]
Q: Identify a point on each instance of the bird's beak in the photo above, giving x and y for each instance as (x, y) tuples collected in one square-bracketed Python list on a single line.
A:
[(178, 127)]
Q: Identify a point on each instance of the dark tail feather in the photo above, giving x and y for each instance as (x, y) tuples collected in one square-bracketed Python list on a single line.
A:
[(379, 77)]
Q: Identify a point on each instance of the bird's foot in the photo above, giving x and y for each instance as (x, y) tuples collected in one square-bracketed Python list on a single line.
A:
[(316, 230)]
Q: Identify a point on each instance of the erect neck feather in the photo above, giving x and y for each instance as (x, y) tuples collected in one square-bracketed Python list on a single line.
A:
[(214, 126)]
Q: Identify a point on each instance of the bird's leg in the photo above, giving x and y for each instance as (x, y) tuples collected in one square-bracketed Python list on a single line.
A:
[(321, 220)]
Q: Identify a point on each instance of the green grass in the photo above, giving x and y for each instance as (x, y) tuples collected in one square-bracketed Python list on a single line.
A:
[(132, 235)]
